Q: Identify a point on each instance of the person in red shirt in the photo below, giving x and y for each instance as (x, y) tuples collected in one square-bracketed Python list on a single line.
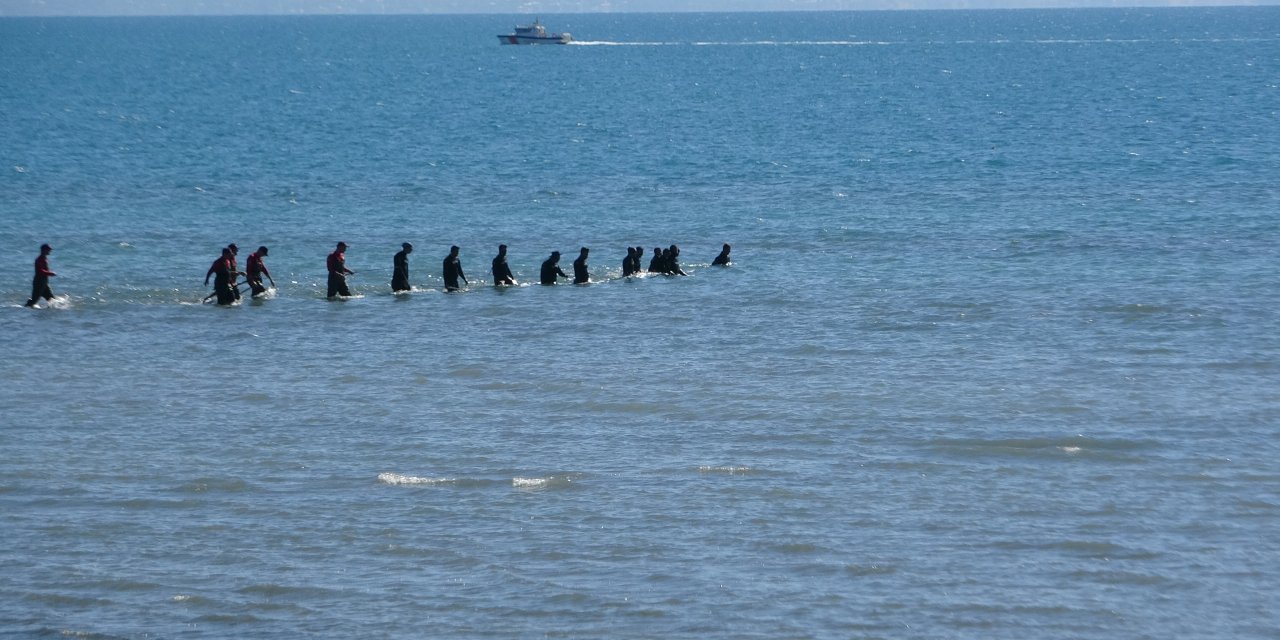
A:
[(40, 284), (223, 276), (257, 268), (338, 271)]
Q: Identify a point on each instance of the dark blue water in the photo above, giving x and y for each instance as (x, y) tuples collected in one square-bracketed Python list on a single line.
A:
[(996, 357)]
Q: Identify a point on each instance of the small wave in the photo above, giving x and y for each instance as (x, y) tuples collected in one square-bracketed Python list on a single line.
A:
[(727, 470), (191, 600), (273, 590), (206, 485), (1049, 447), (398, 479), (549, 482), (869, 570)]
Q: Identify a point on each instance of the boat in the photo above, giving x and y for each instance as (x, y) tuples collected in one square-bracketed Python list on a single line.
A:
[(534, 34)]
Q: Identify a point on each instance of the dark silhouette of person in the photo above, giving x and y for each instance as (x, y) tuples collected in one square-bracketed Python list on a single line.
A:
[(636, 263), (256, 268), (722, 259), (338, 271), (673, 262), (551, 269), (221, 271), (453, 270), (629, 262), (40, 283), (501, 271), (656, 263), (235, 269), (580, 275), (400, 269)]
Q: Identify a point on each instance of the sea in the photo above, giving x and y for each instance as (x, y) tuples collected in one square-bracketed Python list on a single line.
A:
[(997, 355)]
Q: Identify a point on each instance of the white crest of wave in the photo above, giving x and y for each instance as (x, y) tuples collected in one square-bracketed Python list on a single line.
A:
[(529, 483), (725, 469), (396, 478)]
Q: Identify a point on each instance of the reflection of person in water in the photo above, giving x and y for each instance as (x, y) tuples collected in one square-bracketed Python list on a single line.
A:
[(40, 282), (551, 269), (501, 270), (580, 275), (400, 269), (722, 259), (453, 270), (338, 271)]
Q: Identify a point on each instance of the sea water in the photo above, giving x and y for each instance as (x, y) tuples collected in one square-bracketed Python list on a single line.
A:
[(997, 356)]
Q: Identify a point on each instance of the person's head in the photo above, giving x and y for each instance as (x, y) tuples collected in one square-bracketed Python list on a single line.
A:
[(675, 251), (262, 251), (631, 251), (584, 251), (453, 251), (45, 249), (657, 251), (664, 252), (226, 252), (726, 248), (555, 256), (234, 249), (639, 251), (342, 246), (408, 248), (502, 249)]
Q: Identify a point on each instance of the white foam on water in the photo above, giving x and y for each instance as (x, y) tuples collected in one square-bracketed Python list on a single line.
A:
[(529, 483), (398, 479), (730, 470)]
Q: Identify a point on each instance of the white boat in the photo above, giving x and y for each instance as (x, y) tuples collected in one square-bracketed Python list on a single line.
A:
[(534, 34)]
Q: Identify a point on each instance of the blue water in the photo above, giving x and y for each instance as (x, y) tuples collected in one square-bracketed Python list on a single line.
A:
[(997, 356)]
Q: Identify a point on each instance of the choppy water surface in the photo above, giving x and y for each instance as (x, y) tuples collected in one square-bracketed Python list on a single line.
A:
[(997, 356)]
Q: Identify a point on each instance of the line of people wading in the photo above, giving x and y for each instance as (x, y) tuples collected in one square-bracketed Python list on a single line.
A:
[(225, 270)]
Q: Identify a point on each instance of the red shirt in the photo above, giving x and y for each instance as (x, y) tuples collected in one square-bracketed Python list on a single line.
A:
[(42, 266), (254, 265), (337, 263)]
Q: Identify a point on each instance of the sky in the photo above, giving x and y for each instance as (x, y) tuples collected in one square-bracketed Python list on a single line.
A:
[(277, 7)]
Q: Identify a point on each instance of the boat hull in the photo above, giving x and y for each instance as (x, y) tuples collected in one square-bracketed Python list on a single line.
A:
[(516, 39)]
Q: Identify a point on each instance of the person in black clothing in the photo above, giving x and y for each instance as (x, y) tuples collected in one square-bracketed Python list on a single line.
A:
[(222, 273), (580, 275), (400, 269), (501, 271), (40, 282), (673, 262), (453, 270), (551, 269), (638, 266), (722, 259), (629, 262), (655, 263)]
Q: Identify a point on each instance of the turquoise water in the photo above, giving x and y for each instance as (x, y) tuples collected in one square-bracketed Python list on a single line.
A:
[(997, 356)]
